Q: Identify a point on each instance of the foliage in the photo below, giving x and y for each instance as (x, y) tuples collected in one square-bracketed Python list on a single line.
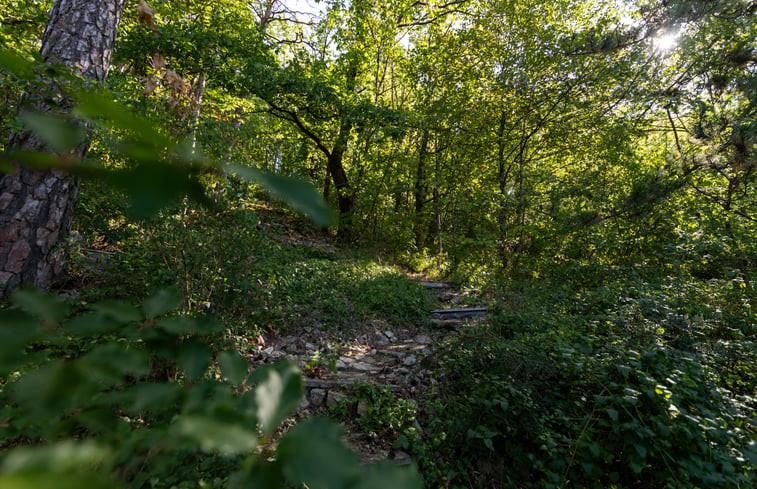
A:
[(376, 411), (621, 382), (120, 395), (598, 184)]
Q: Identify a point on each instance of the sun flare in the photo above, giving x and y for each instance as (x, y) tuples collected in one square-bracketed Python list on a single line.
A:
[(666, 42)]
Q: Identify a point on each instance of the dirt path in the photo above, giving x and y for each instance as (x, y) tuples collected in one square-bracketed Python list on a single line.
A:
[(379, 353)]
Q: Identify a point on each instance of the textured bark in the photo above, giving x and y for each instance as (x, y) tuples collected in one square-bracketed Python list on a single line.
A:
[(36, 206)]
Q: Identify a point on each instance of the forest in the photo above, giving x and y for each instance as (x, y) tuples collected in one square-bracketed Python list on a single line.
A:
[(342, 244)]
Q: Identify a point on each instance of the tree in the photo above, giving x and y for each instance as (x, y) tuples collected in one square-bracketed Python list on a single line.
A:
[(36, 206)]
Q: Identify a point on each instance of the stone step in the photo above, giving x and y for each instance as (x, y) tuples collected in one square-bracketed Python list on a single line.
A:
[(328, 384), (435, 285), (463, 312), (449, 324)]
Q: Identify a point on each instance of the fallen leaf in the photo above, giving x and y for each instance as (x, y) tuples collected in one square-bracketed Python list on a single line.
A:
[(158, 61), (146, 16)]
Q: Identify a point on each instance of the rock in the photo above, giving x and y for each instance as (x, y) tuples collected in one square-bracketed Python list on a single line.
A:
[(317, 396), (310, 346), (447, 323), (373, 351), (364, 367), (335, 398), (363, 406), (401, 371), (423, 339), (305, 403), (340, 365), (410, 360), (394, 353), (268, 350), (402, 458), (434, 285), (447, 296), (390, 336)]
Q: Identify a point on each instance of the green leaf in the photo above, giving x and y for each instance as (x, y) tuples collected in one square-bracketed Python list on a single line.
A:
[(119, 311), (42, 305), (298, 194), (233, 366), (278, 392), (180, 326), (387, 475), (152, 397), (154, 184), (56, 480), (212, 434), (165, 300), (116, 361), (595, 449), (54, 390), (33, 159), (58, 132), (60, 457), (16, 64), (257, 472), (102, 110), (17, 331), (194, 358), (313, 453), (641, 450), (87, 325)]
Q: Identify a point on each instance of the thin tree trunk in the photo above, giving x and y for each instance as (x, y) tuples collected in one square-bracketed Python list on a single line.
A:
[(36, 206), (419, 192)]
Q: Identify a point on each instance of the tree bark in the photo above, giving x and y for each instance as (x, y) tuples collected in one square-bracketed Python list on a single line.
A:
[(36, 206), (344, 194)]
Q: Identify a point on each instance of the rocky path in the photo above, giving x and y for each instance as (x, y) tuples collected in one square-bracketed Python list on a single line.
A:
[(379, 353)]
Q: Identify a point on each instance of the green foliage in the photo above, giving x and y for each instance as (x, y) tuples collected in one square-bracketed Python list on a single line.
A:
[(619, 383), (376, 410), (280, 284), (607, 182), (118, 395)]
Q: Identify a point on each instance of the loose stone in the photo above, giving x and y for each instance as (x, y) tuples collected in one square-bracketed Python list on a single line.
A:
[(317, 396), (334, 398)]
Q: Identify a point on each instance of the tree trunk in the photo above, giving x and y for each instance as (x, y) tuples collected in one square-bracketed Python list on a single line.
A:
[(36, 206), (339, 176), (419, 192)]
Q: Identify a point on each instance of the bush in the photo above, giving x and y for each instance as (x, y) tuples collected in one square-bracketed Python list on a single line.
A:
[(628, 384), (126, 396)]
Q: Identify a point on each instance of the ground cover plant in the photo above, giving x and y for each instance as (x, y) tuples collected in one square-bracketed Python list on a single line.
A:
[(622, 381)]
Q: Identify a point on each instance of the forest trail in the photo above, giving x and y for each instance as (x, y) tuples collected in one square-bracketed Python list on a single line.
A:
[(379, 354)]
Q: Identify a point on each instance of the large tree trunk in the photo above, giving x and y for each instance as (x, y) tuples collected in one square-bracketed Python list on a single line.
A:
[(36, 206)]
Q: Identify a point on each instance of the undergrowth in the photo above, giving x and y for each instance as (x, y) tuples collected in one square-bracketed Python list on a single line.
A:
[(608, 379), (255, 272)]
